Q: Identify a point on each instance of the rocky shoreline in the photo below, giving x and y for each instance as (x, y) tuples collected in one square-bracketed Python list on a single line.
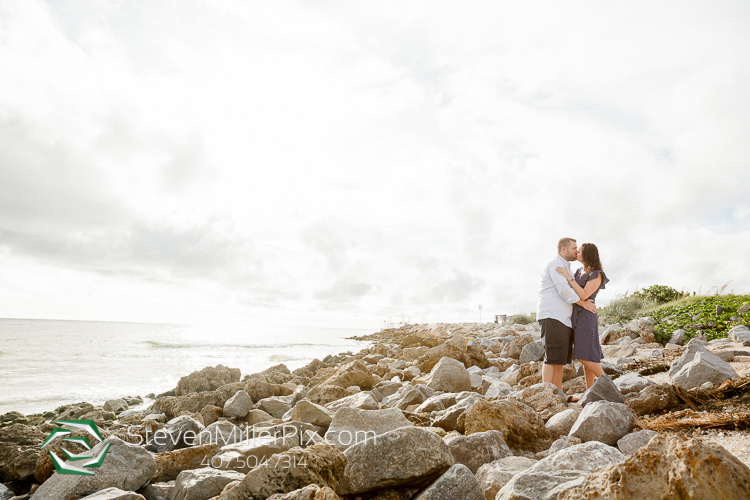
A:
[(442, 411)]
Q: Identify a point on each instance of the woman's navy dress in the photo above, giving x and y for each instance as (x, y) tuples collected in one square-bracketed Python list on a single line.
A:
[(586, 344)]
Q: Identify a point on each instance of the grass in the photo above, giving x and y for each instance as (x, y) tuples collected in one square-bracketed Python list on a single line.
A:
[(522, 319), (625, 307)]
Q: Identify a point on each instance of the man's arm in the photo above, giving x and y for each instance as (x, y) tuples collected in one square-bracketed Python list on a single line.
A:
[(561, 284)]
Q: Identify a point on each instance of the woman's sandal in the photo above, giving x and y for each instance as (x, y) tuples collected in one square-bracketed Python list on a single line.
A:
[(572, 399)]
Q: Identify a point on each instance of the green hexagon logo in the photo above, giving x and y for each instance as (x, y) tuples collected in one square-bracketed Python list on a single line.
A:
[(91, 460)]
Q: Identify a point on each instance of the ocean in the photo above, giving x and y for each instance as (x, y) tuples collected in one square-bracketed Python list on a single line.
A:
[(47, 363)]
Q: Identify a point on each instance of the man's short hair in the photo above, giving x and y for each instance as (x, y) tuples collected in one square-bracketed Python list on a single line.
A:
[(564, 242)]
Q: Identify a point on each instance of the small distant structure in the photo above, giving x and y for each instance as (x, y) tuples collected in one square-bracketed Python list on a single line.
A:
[(394, 322), (501, 319)]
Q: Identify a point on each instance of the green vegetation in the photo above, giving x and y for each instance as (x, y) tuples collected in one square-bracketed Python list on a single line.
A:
[(522, 319), (713, 315)]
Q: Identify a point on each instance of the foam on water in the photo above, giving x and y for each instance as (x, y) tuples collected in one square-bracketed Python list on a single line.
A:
[(46, 364)]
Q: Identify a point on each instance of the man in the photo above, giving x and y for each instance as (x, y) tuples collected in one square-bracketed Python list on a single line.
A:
[(554, 311)]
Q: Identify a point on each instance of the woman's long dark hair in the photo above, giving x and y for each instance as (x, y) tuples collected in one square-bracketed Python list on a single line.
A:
[(590, 256)]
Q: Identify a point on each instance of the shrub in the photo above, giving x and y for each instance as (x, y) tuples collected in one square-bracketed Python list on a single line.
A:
[(659, 294), (625, 307), (522, 319)]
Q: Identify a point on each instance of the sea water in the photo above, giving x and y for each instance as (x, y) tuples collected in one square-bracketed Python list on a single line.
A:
[(48, 363)]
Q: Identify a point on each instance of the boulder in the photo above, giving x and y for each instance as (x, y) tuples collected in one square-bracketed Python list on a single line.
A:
[(319, 464), (449, 375), (456, 482), (414, 353), (169, 464), (561, 423), (202, 484), (259, 389), (541, 485), (632, 382), (174, 406), (533, 351), (115, 405), (654, 398), (5, 493), (498, 389), (256, 416), (603, 389), (630, 443), (222, 433), (740, 333), (126, 466), (406, 396), (364, 400), (276, 406), (251, 453), (19, 451), (306, 411), (546, 399), (180, 432), (352, 373), (520, 425), (238, 405), (619, 351), (457, 347), (587, 457), (495, 475), (309, 492), (208, 379), (351, 426), (114, 494), (477, 449), (515, 347), (669, 466), (704, 367), (603, 421), (678, 337), (403, 457), (324, 394)]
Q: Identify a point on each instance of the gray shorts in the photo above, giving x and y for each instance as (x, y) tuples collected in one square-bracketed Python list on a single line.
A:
[(558, 342)]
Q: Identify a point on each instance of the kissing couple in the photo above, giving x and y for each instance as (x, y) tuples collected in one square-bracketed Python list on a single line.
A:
[(567, 313)]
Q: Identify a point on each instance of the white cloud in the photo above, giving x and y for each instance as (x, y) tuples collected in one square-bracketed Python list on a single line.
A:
[(346, 161)]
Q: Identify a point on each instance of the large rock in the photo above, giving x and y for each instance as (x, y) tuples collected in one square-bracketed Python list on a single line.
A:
[(202, 484), (173, 406), (19, 451), (740, 333), (114, 494), (352, 373), (457, 347), (5, 493), (126, 466), (259, 389), (307, 411), (222, 433), (678, 337), (180, 432), (238, 405), (351, 426), (632, 382), (414, 353), (449, 375), (533, 351), (362, 400), (406, 396), (520, 425), (276, 406), (561, 423), (251, 453), (319, 464), (324, 394), (652, 399), (603, 421), (669, 467), (404, 457), (169, 464), (589, 457), (477, 449), (495, 475), (515, 347), (547, 399), (456, 482), (618, 351), (540, 485), (115, 405), (208, 379), (704, 367), (498, 389), (630, 443), (309, 492), (603, 389)]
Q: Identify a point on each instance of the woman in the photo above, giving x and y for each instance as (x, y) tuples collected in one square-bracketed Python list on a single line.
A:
[(587, 282)]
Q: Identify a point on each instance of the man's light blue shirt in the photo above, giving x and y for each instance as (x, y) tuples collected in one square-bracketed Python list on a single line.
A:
[(556, 296)]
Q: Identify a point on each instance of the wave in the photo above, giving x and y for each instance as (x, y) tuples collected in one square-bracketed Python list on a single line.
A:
[(189, 345)]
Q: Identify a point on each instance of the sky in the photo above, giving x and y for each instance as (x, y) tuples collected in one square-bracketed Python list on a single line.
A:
[(334, 163)]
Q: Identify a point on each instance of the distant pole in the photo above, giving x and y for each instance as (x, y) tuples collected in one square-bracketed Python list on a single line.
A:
[(480, 313)]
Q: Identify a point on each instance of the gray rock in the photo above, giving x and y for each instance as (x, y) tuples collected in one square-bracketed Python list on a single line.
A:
[(561, 423), (603, 421), (126, 466), (180, 432), (603, 389), (276, 406), (208, 379), (477, 449), (678, 337), (498, 389), (202, 484), (364, 400), (531, 352), (5, 493), (449, 375), (494, 475), (632, 382), (351, 426), (588, 457), (238, 405), (221, 432), (515, 347), (630, 443), (406, 456), (406, 396), (307, 411), (540, 485), (697, 341), (743, 308), (652, 399), (740, 333), (158, 491), (251, 453), (457, 482), (545, 398), (115, 405), (434, 403), (114, 494), (704, 367)]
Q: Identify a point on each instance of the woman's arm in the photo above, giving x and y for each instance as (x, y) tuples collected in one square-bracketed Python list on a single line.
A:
[(584, 293)]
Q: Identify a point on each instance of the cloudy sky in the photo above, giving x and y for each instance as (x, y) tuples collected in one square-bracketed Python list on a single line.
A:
[(336, 162)]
